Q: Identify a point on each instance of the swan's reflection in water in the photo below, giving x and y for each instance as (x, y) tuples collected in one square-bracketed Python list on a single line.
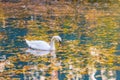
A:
[(42, 71), (41, 52)]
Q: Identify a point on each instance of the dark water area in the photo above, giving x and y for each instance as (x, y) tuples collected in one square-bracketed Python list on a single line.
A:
[(14, 38)]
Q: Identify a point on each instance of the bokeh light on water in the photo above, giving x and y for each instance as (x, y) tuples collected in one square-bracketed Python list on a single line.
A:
[(89, 29)]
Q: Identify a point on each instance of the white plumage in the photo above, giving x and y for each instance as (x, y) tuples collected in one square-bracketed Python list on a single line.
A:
[(38, 47)]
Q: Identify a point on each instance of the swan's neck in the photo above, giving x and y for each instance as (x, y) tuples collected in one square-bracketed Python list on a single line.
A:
[(52, 44)]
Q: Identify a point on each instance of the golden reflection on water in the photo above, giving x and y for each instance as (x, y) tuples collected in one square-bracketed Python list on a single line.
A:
[(38, 70), (53, 65), (90, 33)]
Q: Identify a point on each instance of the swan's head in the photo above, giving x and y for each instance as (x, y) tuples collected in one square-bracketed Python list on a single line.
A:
[(58, 38)]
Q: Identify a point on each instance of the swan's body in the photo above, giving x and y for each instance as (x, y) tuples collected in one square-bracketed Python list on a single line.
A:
[(36, 46)]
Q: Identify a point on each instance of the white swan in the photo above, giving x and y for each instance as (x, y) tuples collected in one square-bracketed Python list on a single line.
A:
[(38, 47)]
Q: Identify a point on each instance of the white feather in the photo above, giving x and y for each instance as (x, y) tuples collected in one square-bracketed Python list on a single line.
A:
[(39, 48), (37, 44)]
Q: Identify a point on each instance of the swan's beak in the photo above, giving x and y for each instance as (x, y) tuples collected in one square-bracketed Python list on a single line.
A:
[(60, 43)]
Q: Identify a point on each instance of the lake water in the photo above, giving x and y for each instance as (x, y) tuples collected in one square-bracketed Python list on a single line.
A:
[(66, 65), (90, 32)]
